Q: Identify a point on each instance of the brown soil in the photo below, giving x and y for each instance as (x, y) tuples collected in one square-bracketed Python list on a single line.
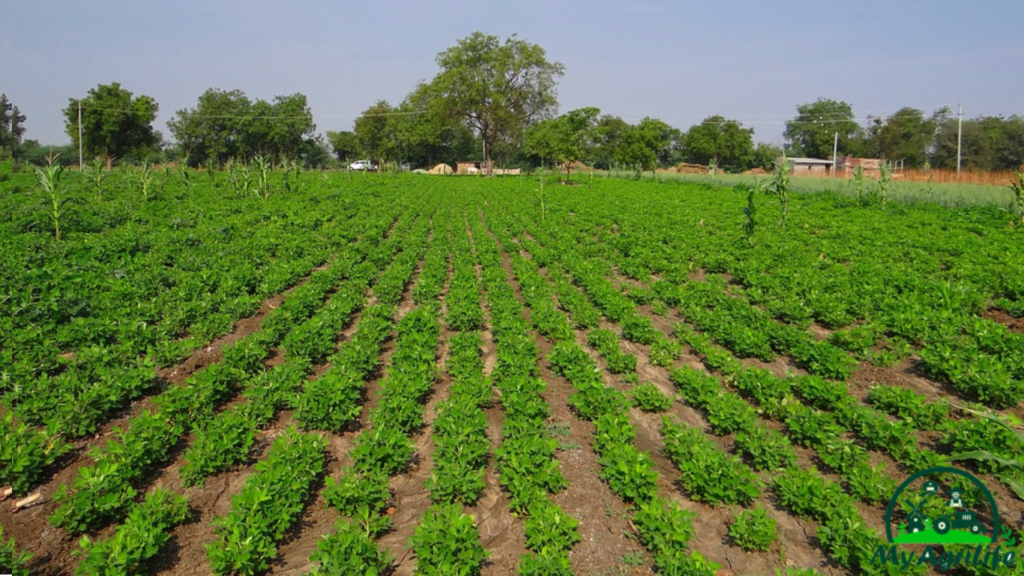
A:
[(1000, 316)]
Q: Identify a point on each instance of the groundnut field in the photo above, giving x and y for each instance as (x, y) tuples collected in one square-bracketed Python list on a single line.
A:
[(364, 374)]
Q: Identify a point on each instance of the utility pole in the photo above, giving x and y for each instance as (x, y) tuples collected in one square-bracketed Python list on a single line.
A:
[(959, 137), (835, 154), (80, 136)]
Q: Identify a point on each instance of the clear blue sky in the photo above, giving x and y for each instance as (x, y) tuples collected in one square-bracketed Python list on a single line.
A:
[(749, 60)]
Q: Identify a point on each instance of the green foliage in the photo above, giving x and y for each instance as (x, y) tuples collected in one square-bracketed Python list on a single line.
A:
[(548, 529), (349, 551), (474, 85), (649, 398), (10, 558), (811, 132), (243, 129), (138, 539), (753, 529), (446, 541), (720, 142), (59, 205), (267, 505), (664, 527), (708, 474), (1017, 189), (114, 124)]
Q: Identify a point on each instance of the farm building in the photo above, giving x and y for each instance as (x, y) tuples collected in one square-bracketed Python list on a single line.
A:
[(845, 165), (808, 166)]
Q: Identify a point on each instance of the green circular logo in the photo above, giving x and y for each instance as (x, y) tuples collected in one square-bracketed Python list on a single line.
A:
[(931, 522)]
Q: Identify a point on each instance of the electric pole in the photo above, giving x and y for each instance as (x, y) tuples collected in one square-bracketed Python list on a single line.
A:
[(959, 137), (835, 154), (80, 136)]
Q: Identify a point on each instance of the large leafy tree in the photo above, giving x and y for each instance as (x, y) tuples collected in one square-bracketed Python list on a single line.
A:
[(343, 143), (12, 125), (226, 125), (989, 143), (725, 142), (813, 130), (566, 139), (114, 124), (216, 129), (905, 135), (279, 129), (375, 134), (607, 139), (425, 134), (497, 88)]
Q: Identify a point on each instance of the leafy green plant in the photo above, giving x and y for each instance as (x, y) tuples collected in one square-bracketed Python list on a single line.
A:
[(267, 505), (144, 179), (750, 213), (779, 186), (663, 526), (138, 539), (550, 529), (349, 550), (447, 542), (884, 180), (11, 559), (753, 529), (1017, 189), (858, 183), (59, 205), (708, 474), (649, 398)]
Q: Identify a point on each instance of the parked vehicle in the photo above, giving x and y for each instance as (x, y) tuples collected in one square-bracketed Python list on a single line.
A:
[(363, 165)]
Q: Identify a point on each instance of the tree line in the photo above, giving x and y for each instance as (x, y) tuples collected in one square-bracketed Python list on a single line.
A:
[(495, 99)]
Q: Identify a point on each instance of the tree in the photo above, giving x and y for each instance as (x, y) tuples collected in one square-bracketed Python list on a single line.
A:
[(725, 142), (216, 129), (373, 133), (664, 140), (813, 130), (566, 139), (344, 144), (12, 125), (905, 135), (498, 89), (607, 139), (636, 149), (976, 152), (425, 134), (765, 156), (280, 129), (114, 124)]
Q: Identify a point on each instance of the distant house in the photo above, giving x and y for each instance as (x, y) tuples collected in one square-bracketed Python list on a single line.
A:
[(845, 165), (810, 166)]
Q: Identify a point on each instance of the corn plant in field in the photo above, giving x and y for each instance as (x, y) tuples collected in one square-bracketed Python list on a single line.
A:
[(1017, 204), (858, 183), (713, 169), (779, 186), (59, 207), (263, 168), (292, 176), (885, 177), (144, 179), (184, 174), (750, 211), (95, 175)]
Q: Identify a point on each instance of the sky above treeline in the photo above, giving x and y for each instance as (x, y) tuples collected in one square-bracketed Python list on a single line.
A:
[(747, 60)]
